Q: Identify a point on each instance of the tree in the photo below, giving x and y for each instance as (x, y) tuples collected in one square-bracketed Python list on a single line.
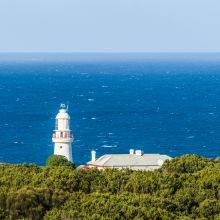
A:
[(209, 207), (190, 163), (58, 160)]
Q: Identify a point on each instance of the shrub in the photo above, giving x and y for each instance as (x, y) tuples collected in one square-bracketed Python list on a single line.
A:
[(186, 164), (58, 160)]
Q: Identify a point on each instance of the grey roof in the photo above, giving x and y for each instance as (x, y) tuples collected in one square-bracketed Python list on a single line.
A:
[(125, 160)]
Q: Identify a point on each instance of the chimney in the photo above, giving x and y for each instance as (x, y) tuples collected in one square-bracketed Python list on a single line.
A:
[(131, 151), (93, 155)]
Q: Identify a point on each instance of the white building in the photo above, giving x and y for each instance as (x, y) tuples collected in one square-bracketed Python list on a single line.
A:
[(135, 160), (62, 135)]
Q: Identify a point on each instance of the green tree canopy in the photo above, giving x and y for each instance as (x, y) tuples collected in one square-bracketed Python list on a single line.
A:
[(189, 163), (58, 160), (186, 187)]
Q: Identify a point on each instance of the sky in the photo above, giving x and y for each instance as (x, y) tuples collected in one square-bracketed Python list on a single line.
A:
[(109, 26)]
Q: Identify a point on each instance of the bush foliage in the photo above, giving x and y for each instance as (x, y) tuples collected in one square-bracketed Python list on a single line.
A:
[(58, 160), (187, 187)]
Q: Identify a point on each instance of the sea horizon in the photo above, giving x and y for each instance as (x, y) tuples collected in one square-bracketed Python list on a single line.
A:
[(109, 56)]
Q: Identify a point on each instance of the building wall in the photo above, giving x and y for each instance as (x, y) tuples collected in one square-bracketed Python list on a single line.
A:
[(147, 168), (138, 167)]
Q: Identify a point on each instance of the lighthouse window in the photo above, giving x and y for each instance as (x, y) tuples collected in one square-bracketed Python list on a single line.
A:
[(56, 126), (60, 147)]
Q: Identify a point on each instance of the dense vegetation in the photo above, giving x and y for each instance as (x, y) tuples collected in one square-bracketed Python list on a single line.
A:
[(187, 187), (58, 160)]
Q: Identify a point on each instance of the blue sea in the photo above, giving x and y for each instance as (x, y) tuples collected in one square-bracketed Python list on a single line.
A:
[(160, 103)]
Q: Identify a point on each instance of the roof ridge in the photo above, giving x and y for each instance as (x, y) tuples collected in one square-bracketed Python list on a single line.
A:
[(107, 159)]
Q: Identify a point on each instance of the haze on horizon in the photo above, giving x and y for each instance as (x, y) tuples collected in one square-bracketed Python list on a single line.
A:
[(109, 26)]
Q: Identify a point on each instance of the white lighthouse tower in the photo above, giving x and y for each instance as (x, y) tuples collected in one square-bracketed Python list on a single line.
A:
[(62, 136)]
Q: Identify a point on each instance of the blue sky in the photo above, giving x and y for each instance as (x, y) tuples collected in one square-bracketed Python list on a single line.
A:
[(109, 25)]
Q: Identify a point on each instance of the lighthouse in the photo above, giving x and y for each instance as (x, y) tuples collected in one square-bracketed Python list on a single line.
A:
[(62, 135)]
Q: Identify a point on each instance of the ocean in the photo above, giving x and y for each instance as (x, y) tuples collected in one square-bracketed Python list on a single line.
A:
[(160, 103)]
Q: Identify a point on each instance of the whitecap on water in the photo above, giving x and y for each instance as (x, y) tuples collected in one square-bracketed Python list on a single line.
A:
[(190, 137), (91, 100), (109, 146)]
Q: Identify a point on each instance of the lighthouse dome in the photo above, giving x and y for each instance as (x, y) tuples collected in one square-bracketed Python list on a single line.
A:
[(63, 113)]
